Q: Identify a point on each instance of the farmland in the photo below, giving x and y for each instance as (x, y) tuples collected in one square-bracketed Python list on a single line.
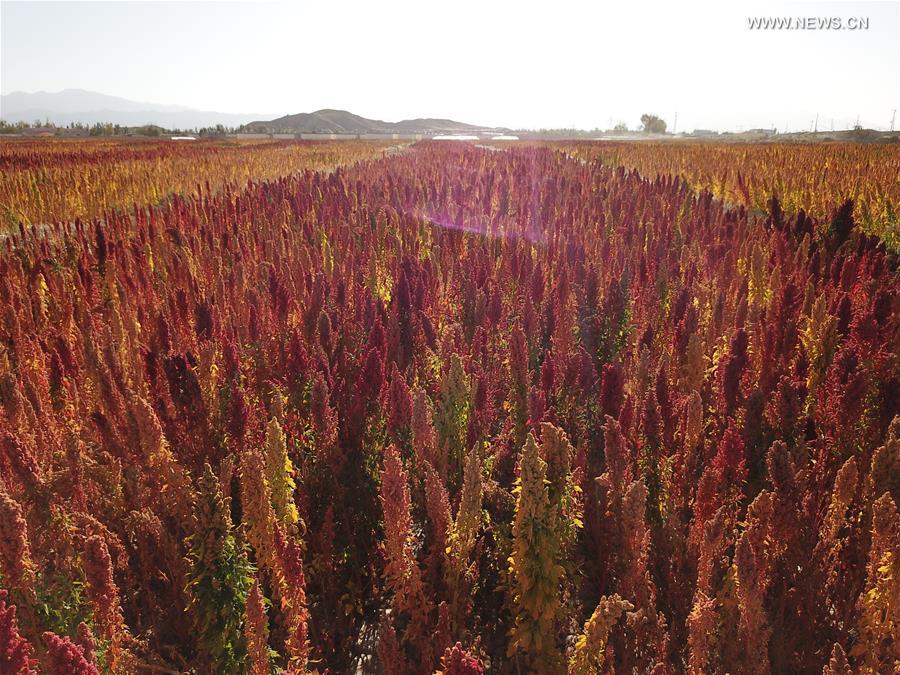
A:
[(564, 407), (50, 181), (811, 176)]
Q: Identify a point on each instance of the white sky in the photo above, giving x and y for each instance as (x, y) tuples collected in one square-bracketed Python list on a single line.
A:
[(558, 64)]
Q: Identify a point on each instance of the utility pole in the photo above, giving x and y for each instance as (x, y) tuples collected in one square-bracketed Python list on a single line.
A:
[(816, 126), (893, 118), (675, 126)]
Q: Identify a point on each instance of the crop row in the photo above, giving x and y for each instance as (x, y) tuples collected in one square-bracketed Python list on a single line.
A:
[(813, 177), (53, 181)]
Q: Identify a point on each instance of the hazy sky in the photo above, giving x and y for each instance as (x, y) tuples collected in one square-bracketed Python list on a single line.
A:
[(560, 64)]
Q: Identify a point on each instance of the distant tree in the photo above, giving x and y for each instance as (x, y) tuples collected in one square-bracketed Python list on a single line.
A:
[(653, 124), (9, 128), (218, 130), (620, 127)]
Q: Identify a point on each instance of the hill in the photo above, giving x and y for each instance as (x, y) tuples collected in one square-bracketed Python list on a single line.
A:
[(330, 121)]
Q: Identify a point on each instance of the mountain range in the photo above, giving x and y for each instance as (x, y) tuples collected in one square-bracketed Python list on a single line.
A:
[(88, 107)]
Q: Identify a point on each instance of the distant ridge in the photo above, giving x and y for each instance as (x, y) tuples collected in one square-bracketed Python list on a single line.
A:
[(329, 121), (89, 107)]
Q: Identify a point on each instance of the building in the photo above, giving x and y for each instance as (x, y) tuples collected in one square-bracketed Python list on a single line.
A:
[(39, 131)]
